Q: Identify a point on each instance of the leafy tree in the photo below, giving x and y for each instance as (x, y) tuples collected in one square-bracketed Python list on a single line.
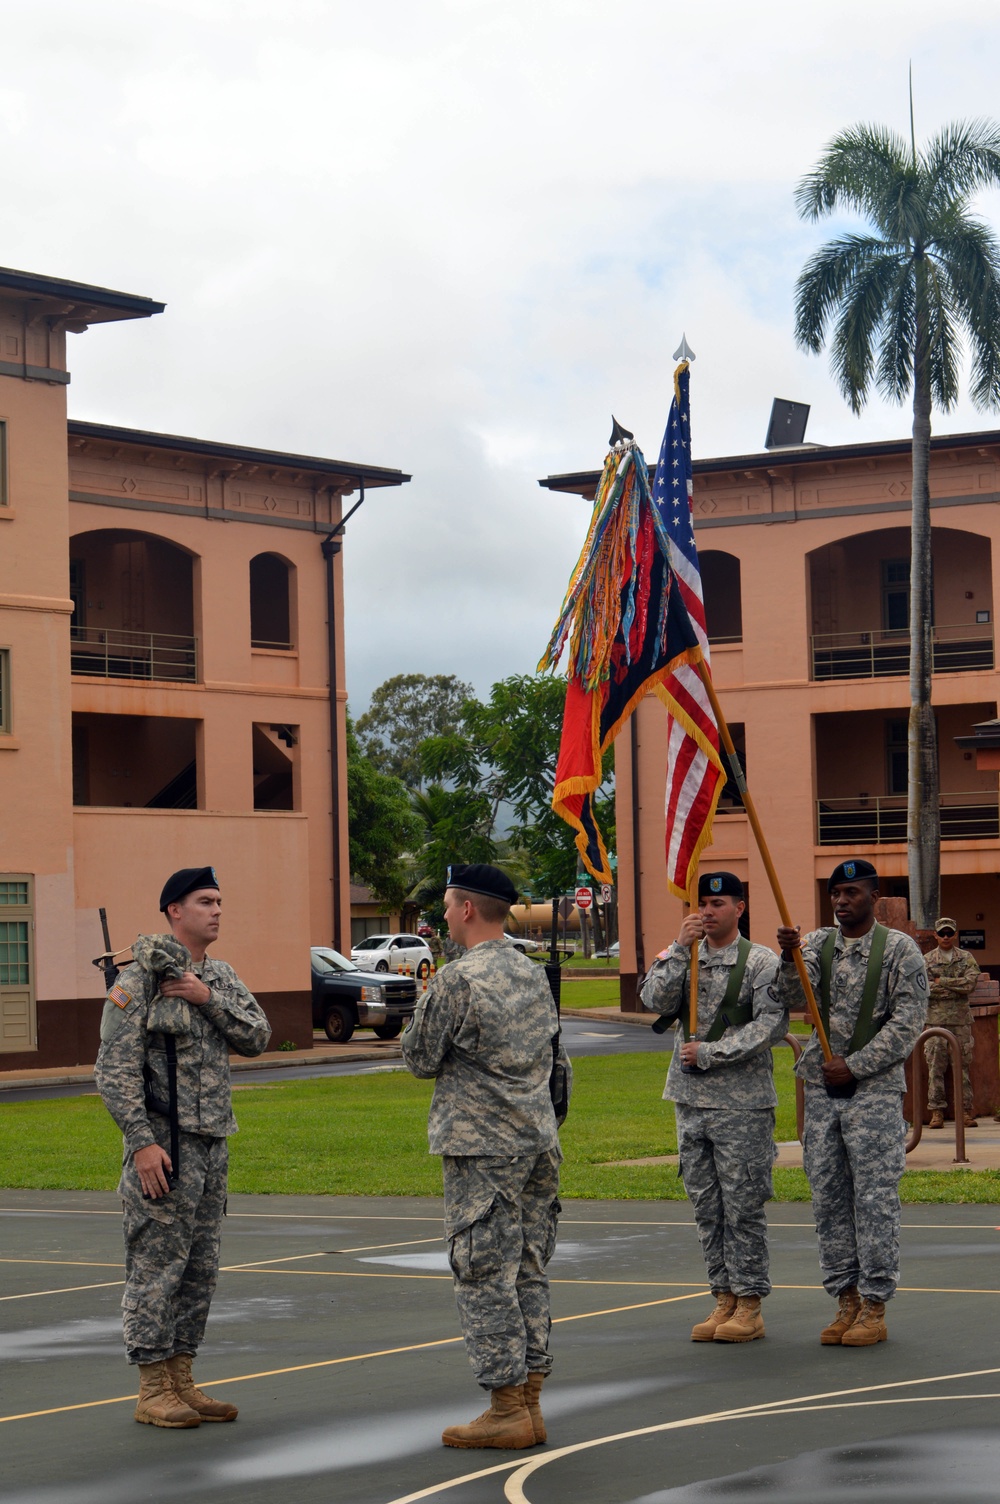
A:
[(381, 824), (505, 751), (900, 299), (404, 711)]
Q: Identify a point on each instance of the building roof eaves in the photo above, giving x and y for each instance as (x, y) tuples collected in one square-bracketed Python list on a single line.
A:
[(372, 475), (580, 480), (97, 301)]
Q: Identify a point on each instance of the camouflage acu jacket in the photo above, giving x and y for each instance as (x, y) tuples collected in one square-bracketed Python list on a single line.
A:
[(952, 976), (232, 1019), (483, 1031), (736, 1070), (900, 1006)]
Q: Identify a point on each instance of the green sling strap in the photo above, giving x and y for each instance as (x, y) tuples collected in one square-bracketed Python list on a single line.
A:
[(864, 1032), (732, 1013)]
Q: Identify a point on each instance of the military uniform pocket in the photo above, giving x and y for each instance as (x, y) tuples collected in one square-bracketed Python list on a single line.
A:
[(474, 1251)]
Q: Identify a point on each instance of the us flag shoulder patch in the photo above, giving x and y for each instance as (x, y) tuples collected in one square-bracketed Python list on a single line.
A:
[(119, 996)]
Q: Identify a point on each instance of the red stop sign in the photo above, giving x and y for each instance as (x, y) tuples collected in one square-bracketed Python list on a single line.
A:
[(584, 898)]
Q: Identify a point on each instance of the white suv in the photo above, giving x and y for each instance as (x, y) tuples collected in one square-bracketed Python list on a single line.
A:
[(393, 953)]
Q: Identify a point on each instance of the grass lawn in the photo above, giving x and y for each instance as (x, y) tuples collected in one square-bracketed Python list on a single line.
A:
[(366, 1135)]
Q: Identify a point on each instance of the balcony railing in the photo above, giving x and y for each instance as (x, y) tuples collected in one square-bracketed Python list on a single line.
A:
[(880, 654), (110, 654), (880, 819)]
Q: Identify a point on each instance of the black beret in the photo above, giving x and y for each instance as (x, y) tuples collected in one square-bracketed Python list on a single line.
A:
[(713, 884), (186, 881), (851, 872), (488, 882)]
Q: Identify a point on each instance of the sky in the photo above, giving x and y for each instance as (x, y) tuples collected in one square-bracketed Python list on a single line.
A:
[(452, 237)]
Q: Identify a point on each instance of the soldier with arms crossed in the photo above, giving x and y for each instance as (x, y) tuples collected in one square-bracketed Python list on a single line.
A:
[(486, 1032), (871, 987), (172, 1017), (952, 974), (722, 1083)]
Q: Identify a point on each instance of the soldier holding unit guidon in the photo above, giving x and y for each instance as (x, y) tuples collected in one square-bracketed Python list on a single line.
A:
[(722, 1084), (871, 986)]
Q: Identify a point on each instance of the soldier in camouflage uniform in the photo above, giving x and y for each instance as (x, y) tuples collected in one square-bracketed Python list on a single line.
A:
[(854, 1143), (173, 992), (952, 975), (485, 1032), (723, 1088)]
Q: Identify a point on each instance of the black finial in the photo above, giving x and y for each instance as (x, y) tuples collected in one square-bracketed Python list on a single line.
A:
[(618, 433)]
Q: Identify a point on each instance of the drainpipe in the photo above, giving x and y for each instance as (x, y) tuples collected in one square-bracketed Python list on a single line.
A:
[(331, 547)]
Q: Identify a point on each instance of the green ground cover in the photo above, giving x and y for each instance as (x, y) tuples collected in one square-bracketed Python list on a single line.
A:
[(365, 1135)]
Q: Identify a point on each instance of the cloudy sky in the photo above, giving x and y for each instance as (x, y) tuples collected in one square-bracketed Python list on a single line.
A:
[(452, 236)]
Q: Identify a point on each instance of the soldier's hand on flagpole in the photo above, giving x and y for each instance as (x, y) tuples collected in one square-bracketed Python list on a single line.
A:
[(789, 940), (689, 1052), (837, 1071), (692, 929)]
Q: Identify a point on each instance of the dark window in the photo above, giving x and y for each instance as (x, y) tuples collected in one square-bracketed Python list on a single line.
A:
[(270, 619), (896, 757), (730, 800), (720, 582)]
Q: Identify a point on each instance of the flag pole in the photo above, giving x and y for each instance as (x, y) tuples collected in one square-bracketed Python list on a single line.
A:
[(772, 875), (693, 975)]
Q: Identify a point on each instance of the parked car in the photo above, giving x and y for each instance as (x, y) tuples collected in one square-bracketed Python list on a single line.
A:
[(607, 955), (523, 944), (345, 998), (392, 952)]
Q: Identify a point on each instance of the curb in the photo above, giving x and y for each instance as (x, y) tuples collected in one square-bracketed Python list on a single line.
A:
[(9, 1080)]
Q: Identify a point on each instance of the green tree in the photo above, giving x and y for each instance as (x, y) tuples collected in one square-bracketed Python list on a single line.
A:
[(505, 751), (404, 711), (382, 826), (901, 298)]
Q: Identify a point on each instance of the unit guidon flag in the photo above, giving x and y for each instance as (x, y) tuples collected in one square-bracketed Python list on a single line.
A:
[(631, 633)]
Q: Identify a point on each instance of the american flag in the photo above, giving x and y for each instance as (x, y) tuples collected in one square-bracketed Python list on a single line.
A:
[(695, 775)]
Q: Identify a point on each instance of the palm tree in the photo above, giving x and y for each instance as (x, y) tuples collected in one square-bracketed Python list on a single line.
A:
[(901, 300)]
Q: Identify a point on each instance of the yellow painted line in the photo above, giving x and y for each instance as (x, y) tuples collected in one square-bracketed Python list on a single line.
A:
[(67, 1263), (270, 1373), (66, 1290), (334, 1273)]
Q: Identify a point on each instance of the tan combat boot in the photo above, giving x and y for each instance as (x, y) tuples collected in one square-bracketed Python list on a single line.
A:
[(937, 1119), (725, 1305), (186, 1390), (850, 1305), (158, 1404), (971, 1121), (868, 1327), (745, 1324), (505, 1424), (532, 1390)]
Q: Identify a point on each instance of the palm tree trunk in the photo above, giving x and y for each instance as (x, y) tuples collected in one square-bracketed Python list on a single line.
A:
[(923, 813)]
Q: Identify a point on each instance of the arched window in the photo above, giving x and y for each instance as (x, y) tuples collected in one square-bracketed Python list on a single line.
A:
[(270, 608), (720, 580)]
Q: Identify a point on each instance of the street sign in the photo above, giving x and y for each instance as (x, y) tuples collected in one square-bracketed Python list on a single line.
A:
[(584, 898), (607, 893), (565, 908)]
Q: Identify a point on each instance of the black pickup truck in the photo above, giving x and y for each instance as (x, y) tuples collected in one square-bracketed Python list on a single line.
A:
[(345, 998)]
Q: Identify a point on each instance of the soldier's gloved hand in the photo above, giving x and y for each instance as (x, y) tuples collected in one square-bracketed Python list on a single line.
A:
[(191, 988), (152, 1166)]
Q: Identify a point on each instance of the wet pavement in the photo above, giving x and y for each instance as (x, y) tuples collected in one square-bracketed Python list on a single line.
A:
[(334, 1330)]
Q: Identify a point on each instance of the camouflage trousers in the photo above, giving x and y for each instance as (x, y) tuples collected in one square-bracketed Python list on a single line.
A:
[(726, 1156), (172, 1249), (500, 1219), (938, 1058), (854, 1152)]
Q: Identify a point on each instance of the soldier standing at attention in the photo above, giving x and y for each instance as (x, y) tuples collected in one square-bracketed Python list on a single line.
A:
[(871, 987), (165, 1039), (722, 1083), (952, 975), (486, 1031)]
